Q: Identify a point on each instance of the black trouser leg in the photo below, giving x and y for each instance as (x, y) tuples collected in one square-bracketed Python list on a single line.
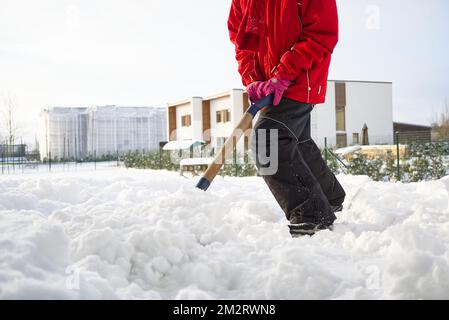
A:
[(333, 190), (293, 184)]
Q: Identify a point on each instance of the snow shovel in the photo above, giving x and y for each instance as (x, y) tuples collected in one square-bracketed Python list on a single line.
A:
[(231, 142)]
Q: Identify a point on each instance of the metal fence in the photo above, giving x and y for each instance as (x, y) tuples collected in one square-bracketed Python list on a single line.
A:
[(16, 159), (405, 147), (401, 146)]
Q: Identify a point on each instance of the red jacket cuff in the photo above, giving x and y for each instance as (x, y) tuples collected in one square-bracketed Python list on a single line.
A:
[(248, 79)]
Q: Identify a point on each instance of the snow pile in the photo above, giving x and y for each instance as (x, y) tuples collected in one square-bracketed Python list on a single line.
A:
[(119, 233)]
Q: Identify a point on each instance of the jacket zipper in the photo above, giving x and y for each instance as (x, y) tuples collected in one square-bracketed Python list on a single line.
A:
[(255, 64), (308, 75), (308, 87), (300, 20)]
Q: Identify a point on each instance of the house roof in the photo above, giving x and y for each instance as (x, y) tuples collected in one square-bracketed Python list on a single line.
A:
[(221, 95), (403, 124), (179, 103), (361, 81), (212, 97)]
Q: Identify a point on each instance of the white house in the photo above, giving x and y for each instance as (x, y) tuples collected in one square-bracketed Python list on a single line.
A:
[(209, 119), (349, 106), (78, 132)]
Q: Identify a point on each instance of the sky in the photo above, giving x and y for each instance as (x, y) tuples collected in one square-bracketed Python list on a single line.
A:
[(150, 52)]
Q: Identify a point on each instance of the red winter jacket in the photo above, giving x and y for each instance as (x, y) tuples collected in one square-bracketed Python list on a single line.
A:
[(287, 39)]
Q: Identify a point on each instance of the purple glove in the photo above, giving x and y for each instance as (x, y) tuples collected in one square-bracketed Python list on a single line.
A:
[(260, 89)]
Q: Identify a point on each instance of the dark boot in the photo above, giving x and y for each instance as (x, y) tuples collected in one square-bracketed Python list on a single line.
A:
[(306, 229)]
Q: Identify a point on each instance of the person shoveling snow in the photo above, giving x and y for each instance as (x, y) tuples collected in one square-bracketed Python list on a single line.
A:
[(284, 48)]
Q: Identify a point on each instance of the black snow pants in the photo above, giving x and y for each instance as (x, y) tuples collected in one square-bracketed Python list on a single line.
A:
[(303, 184)]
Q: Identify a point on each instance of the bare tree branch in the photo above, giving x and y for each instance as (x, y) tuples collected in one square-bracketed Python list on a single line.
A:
[(440, 124), (9, 113)]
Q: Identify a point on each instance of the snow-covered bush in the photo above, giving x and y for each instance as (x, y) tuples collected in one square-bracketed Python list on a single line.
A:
[(242, 168), (374, 169), (390, 167), (423, 163), (239, 166), (358, 165), (333, 163), (423, 168), (433, 149), (163, 161), (155, 160)]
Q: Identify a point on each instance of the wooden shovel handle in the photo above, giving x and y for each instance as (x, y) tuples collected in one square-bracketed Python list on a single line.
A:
[(229, 145), (227, 148)]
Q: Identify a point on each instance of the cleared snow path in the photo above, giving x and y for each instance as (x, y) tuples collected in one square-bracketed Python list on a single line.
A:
[(119, 233)]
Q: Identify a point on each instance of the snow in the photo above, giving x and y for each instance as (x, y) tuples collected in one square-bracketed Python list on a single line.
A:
[(347, 150), (128, 234), (176, 145), (383, 147), (195, 161)]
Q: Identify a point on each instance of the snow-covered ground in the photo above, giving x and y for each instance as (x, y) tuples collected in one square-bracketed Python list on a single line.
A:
[(117, 233)]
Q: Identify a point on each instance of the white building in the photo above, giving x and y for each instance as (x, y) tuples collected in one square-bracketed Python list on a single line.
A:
[(209, 119), (349, 106), (79, 132), (63, 132)]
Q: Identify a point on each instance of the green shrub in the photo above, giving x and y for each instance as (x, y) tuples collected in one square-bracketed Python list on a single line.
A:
[(154, 160), (424, 162)]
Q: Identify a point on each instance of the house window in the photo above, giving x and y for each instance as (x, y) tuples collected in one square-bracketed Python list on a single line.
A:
[(227, 115), (342, 140), (220, 142), (340, 94), (223, 116), (341, 118), (340, 106), (355, 138), (219, 116), (186, 121)]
